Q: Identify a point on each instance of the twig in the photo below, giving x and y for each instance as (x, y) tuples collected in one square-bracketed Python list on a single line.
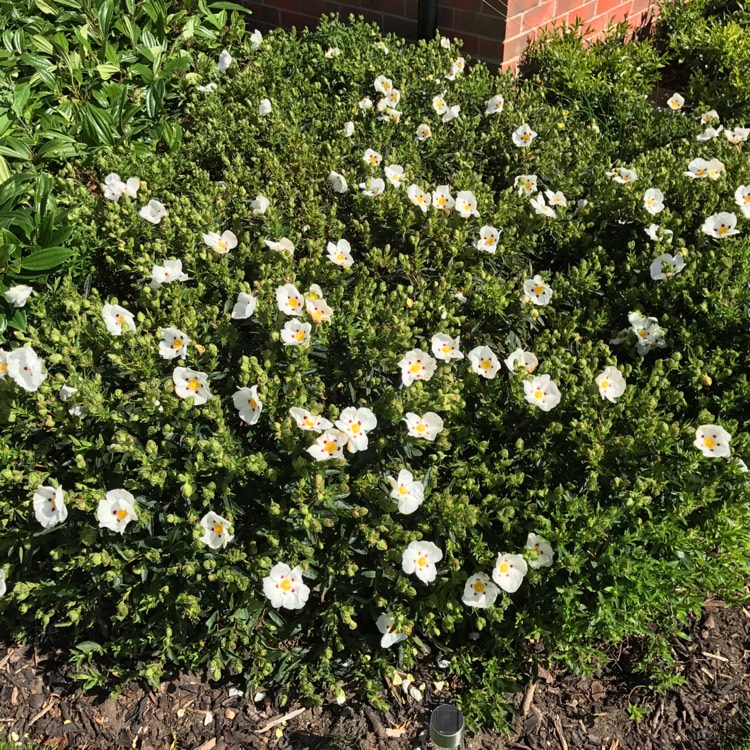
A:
[(559, 730), (47, 708), (715, 656), (528, 699), (280, 720)]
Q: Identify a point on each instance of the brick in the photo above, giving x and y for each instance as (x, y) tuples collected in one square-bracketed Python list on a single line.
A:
[(537, 16), (265, 14), (411, 9), (608, 6), (491, 49), (295, 5), (513, 26), (472, 5), (402, 26), (473, 23), (513, 48), (392, 7), (445, 17), (495, 8), (298, 20), (616, 13), (564, 7), (471, 44), (584, 13)]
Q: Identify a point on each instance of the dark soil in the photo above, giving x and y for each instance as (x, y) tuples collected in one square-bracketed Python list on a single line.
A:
[(40, 701)]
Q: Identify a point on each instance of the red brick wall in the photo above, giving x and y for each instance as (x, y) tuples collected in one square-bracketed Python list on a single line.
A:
[(495, 31)]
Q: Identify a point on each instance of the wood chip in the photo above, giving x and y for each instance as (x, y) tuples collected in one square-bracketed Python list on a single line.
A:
[(394, 732), (280, 720), (715, 656), (558, 728), (207, 745), (44, 710), (528, 698)]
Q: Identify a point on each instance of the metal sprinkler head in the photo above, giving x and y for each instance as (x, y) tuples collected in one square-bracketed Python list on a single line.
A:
[(447, 727)]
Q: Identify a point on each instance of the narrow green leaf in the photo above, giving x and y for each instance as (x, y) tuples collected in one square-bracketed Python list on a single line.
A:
[(45, 260), (106, 71)]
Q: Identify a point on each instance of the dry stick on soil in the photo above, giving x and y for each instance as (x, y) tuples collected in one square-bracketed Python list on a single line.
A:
[(559, 730), (528, 698), (45, 709), (280, 720), (715, 656)]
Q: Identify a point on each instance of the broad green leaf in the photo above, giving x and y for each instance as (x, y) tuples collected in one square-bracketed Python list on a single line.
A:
[(43, 44), (45, 260), (4, 169), (230, 6), (20, 97), (106, 71), (104, 16), (97, 126), (18, 320), (46, 7)]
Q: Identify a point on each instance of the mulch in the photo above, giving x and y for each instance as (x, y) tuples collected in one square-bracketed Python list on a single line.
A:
[(40, 701)]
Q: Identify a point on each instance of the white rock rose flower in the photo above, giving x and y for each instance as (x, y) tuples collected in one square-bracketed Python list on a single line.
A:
[(611, 383), (264, 108), (407, 492), (526, 184), (217, 531), (742, 199), (523, 136), (488, 237), (394, 173), (372, 187), (117, 319), (340, 253), (420, 558), (451, 113), (49, 506), (256, 39), (423, 132), (153, 212), (720, 225), (509, 572), (338, 182), (495, 105), (527, 360), (284, 245), (416, 365), (285, 588), (373, 158), (484, 362), (445, 347), (296, 333), (538, 291), (418, 197), (114, 188), (479, 591), (665, 266), (442, 199), (348, 129), (248, 404), (3, 585), (244, 307), (307, 421), (290, 300), (221, 243), (329, 445), (427, 426), (542, 391), (260, 205), (116, 511), (174, 343), (466, 204), (676, 102), (543, 549), (653, 200), (356, 423), (18, 294), (170, 272), (622, 175), (225, 60), (712, 441), (24, 367), (540, 207), (390, 636), (193, 384)]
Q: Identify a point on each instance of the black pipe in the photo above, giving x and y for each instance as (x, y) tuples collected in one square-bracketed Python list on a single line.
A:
[(427, 19)]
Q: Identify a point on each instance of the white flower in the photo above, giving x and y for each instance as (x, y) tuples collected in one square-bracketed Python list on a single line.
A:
[(540, 206), (248, 404), (416, 365), (537, 290), (374, 186), (428, 426), (116, 511), (393, 97), (394, 173), (527, 360), (116, 318), (738, 135), (67, 392), (451, 113), (49, 506), (115, 188), (318, 310), (438, 104), (676, 102), (307, 421), (488, 237), (390, 637), (290, 300), (708, 117), (3, 585), (445, 43), (170, 272), (523, 136), (712, 441), (509, 571), (709, 133), (466, 204), (154, 211), (284, 245), (244, 307), (209, 87), (479, 591), (355, 424), (225, 60), (611, 383), (420, 558), (543, 549), (332, 52), (284, 587), (649, 335), (191, 384), (657, 233), (18, 294), (457, 67), (373, 158), (423, 132), (174, 343), (666, 266), (495, 105), (418, 197), (556, 198), (383, 85), (217, 531), (221, 243), (742, 199), (697, 168), (484, 362), (329, 445), (720, 225), (260, 205), (383, 47), (526, 184), (338, 182), (653, 200), (407, 492), (25, 368), (365, 103), (446, 348), (442, 199), (348, 129), (256, 38), (295, 333), (622, 175), (264, 108), (542, 391)]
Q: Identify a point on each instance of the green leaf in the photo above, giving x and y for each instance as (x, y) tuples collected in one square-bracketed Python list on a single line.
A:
[(104, 16), (154, 98), (43, 44), (20, 97), (98, 126), (4, 169), (18, 320), (45, 260), (229, 6), (106, 71), (46, 7)]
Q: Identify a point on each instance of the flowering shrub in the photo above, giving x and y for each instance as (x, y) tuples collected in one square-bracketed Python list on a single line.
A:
[(378, 360)]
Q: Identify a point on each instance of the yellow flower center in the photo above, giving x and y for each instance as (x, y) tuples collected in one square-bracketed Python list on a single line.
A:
[(308, 422), (193, 385), (331, 447), (415, 368), (373, 159), (177, 344), (3, 366), (709, 442), (218, 529), (489, 240), (442, 200), (643, 333), (355, 428), (624, 177), (421, 427), (478, 586), (340, 256), (538, 289), (286, 585), (120, 319), (253, 403), (485, 364), (402, 490), (317, 316), (503, 567), (467, 207), (527, 185), (386, 85), (421, 561), (700, 172), (649, 201), (605, 384), (420, 199), (525, 137), (122, 514), (221, 244), (313, 296), (447, 349), (538, 394), (722, 230), (440, 103), (293, 302), (300, 335), (747, 198)]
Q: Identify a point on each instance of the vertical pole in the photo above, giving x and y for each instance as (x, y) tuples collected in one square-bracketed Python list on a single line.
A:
[(427, 18)]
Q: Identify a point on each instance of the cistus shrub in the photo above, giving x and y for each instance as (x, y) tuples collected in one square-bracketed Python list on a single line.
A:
[(549, 248)]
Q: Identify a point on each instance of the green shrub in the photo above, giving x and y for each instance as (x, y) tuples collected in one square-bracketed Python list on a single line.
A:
[(642, 525)]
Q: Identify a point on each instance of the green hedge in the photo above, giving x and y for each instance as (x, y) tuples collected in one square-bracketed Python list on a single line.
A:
[(642, 524)]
